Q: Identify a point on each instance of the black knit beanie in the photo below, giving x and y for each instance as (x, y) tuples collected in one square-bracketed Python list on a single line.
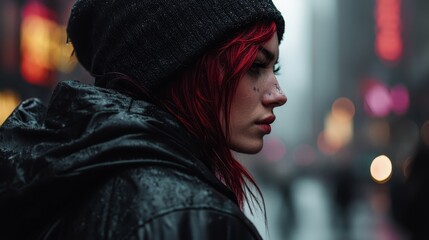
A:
[(150, 40)]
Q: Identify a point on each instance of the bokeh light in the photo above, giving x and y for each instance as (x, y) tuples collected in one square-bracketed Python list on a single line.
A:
[(343, 109), (8, 102), (43, 45), (274, 149), (381, 100), (388, 39), (400, 99), (325, 146), (381, 169), (378, 101), (338, 130)]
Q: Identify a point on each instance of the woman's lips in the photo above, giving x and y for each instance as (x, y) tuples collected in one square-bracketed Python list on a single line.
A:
[(264, 124), (266, 128)]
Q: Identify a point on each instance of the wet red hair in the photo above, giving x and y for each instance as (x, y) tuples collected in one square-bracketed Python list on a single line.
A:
[(203, 94)]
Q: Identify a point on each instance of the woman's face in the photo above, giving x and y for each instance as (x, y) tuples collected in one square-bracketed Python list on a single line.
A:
[(257, 94)]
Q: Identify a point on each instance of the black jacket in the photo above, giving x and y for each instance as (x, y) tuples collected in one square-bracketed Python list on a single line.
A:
[(97, 164)]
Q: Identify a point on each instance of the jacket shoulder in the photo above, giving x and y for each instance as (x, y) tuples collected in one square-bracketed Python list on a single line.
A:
[(142, 200), (195, 223), (29, 113)]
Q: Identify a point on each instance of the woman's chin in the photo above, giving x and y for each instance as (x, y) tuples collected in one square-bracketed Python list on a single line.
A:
[(248, 148)]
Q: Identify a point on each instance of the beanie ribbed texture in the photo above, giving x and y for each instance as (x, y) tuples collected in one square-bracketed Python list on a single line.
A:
[(152, 40)]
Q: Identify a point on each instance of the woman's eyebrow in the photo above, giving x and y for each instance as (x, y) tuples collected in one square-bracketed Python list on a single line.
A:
[(269, 56)]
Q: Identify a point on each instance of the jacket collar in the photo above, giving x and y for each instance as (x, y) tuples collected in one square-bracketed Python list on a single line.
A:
[(89, 130)]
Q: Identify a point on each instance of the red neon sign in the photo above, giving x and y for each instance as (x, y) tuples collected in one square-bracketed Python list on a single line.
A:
[(388, 40)]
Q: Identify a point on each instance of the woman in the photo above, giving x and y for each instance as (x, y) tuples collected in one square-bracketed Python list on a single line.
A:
[(146, 152)]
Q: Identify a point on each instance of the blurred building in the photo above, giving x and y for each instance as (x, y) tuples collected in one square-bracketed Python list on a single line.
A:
[(34, 50), (357, 81)]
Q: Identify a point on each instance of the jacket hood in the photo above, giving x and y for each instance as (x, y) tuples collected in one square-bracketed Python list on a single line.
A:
[(86, 133)]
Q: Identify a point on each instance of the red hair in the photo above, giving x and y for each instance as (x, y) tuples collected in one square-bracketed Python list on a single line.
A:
[(203, 94)]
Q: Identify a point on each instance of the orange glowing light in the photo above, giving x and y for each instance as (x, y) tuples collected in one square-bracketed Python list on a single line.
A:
[(325, 146), (343, 109), (338, 132), (32, 72), (43, 46), (8, 102), (36, 28)]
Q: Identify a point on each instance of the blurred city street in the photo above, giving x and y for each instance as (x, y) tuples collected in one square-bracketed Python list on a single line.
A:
[(315, 217)]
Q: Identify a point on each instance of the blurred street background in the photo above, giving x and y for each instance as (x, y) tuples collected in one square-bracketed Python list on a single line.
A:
[(356, 74)]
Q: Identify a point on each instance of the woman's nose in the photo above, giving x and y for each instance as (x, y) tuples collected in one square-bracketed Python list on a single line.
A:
[(275, 96)]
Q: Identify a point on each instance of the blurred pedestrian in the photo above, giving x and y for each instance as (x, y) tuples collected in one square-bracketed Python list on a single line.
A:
[(410, 197), (344, 187)]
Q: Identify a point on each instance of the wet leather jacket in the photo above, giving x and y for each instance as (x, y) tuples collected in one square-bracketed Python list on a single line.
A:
[(97, 164)]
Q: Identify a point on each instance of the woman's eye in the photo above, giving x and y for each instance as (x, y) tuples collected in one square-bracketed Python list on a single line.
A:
[(276, 69), (256, 68)]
